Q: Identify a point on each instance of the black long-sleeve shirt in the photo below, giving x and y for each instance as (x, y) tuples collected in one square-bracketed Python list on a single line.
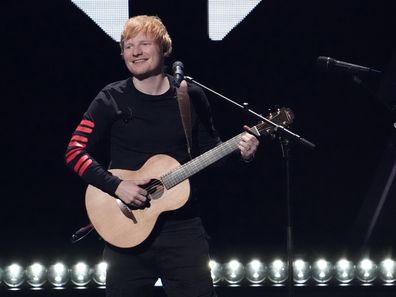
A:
[(138, 126)]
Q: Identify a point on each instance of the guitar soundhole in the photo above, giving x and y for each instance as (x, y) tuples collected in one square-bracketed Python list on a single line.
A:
[(155, 189)]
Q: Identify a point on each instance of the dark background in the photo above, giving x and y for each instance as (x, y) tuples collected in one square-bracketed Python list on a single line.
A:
[(55, 60)]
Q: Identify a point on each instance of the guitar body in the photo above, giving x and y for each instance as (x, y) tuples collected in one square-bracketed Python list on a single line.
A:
[(124, 227)]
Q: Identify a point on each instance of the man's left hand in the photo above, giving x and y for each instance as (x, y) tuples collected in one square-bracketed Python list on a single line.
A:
[(248, 145)]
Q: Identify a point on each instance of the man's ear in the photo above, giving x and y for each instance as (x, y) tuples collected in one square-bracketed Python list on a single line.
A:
[(165, 53)]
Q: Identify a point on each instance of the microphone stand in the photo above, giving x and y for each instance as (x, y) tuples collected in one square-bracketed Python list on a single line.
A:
[(284, 136), (284, 142)]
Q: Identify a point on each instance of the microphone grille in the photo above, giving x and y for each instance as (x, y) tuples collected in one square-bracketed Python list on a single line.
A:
[(177, 64)]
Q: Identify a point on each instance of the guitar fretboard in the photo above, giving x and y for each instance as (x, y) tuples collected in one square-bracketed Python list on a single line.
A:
[(192, 167)]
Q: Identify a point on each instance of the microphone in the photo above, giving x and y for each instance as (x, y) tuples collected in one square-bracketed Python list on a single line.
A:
[(327, 63), (178, 73)]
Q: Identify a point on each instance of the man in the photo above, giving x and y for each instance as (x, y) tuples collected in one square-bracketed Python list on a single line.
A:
[(141, 117)]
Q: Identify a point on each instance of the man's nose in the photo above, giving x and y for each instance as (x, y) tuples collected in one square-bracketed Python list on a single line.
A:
[(137, 50)]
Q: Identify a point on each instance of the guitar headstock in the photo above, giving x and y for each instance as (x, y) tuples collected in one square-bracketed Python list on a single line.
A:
[(282, 116)]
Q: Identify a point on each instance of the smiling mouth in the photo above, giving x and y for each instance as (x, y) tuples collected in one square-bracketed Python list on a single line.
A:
[(139, 61)]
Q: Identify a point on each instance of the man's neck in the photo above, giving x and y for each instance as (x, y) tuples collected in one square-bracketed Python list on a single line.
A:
[(153, 85)]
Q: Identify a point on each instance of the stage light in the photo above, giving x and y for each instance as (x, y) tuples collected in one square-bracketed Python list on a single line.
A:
[(387, 271), (322, 271), (99, 273), (256, 271), (277, 272), (301, 271), (80, 274), (366, 271), (216, 271), (234, 272), (58, 274), (14, 275), (344, 271), (36, 275)]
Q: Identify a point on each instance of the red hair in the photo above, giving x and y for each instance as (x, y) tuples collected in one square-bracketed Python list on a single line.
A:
[(150, 25)]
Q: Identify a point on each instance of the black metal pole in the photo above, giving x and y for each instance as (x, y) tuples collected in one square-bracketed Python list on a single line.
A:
[(289, 222)]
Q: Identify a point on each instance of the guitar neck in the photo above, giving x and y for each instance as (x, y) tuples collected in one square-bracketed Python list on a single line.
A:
[(283, 116), (192, 167)]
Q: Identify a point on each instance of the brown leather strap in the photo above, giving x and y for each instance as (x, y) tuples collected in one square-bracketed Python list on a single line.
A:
[(185, 112)]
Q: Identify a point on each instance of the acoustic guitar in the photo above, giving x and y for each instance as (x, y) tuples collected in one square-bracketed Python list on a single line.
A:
[(168, 189)]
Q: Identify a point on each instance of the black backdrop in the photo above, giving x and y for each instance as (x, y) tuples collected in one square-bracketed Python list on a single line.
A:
[(56, 60)]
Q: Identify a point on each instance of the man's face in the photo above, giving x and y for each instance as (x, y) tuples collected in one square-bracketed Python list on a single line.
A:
[(143, 56)]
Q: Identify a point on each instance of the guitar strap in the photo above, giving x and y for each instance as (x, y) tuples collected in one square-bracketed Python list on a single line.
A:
[(185, 112)]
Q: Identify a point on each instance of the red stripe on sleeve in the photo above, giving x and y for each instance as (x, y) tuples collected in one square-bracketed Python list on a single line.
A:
[(79, 138), (84, 167), (79, 162), (84, 129), (72, 156), (87, 123), (72, 151), (77, 144)]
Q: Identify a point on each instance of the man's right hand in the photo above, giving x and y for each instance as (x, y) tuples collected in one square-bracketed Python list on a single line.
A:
[(130, 192)]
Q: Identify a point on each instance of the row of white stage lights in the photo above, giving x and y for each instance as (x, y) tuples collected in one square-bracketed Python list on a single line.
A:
[(232, 273), (320, 272)]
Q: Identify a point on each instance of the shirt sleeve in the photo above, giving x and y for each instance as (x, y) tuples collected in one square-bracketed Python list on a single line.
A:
[(95, 125)]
